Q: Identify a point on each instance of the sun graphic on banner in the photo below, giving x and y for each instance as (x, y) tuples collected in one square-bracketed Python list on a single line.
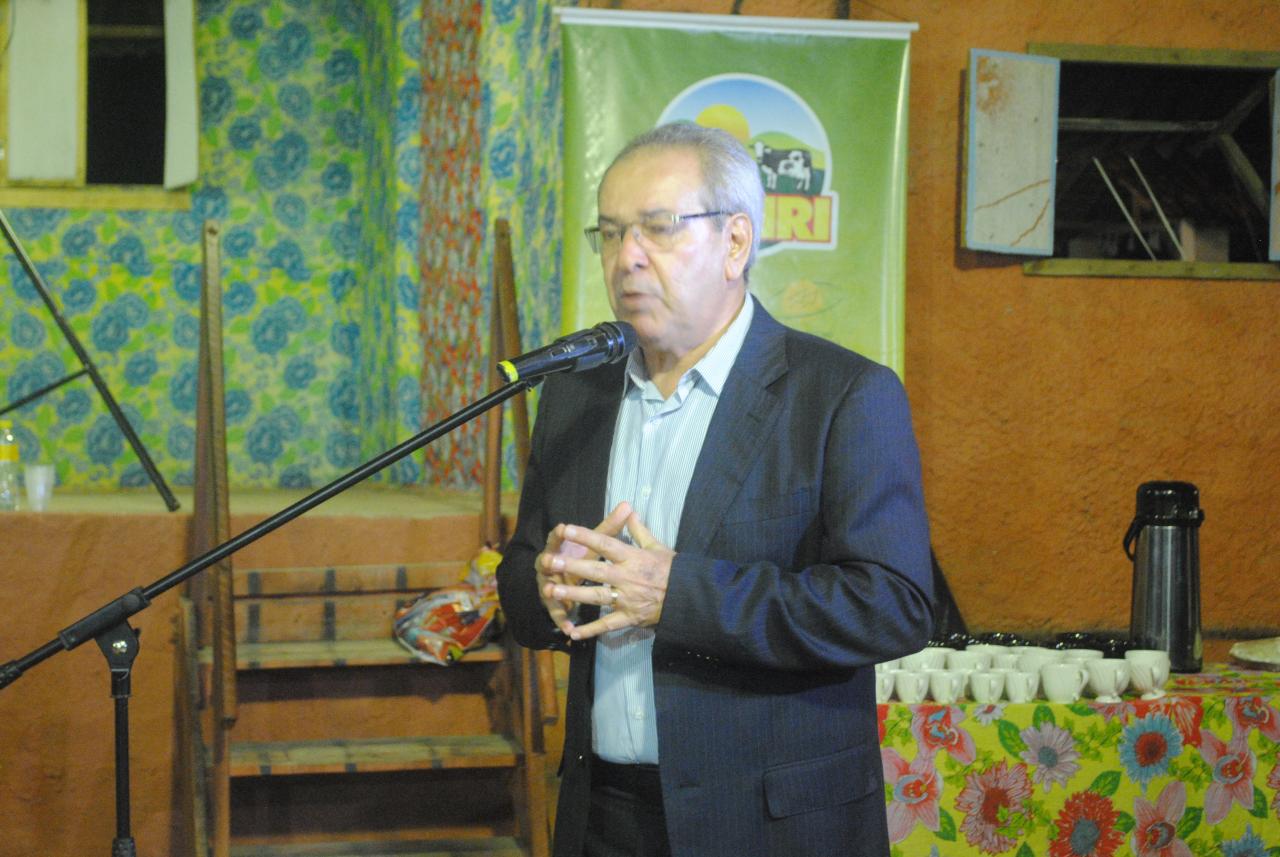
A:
[(726, 117)]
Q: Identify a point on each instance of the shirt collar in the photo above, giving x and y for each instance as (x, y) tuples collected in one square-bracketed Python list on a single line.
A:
[(714, 366)]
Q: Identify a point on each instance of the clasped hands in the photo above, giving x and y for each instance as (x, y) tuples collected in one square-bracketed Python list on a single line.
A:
[(595, 566)]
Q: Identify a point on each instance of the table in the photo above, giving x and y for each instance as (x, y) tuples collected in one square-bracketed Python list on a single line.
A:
[(1196, 772)]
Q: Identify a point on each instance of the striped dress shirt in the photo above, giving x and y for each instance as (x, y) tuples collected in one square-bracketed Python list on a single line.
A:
[(656, 444)]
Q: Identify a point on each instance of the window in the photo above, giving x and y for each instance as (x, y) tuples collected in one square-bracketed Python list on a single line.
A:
[(1125, 161), (98, 104), (124, 139)]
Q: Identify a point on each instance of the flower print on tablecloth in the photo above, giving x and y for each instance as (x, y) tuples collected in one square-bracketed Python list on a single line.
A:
[(1248, 845), (1177, 776), (994, 802), (916, 789), (1052, 754), (1147, 746), (1186, 712), (1088, 826), (1156, 831), (988, 713), (1253, 712), (935, 728), (1232, 765)]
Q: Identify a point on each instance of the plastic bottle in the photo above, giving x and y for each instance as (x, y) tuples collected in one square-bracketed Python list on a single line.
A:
[(8, 467)]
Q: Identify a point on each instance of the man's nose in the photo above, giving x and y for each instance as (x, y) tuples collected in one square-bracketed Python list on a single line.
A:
[(630, 249)]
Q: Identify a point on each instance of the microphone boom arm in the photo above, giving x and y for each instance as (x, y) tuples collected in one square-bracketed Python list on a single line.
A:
[(115, 612)]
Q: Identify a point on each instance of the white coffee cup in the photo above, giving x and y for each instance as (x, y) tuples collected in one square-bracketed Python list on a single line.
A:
[(989, 648), (884, 685), (1004, 661), (1082, 654), (1022, 650), (886, 666), (1108, 677), (915, 661), (1148, 671), (986, 686), (935, 657), (1063, 682), (1032, 661), (945, 685), (910, 685), (1021, 686), (968, 659)]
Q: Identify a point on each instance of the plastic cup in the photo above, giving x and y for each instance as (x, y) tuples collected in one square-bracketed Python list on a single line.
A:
[(39, 479)]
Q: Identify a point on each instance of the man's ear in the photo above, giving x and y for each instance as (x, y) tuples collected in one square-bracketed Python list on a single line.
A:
[(739, 249)]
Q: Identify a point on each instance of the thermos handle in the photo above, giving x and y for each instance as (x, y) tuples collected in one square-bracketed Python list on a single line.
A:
[(1131, 537)]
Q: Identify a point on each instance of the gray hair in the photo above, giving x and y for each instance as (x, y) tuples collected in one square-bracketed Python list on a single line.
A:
[(730, 174)]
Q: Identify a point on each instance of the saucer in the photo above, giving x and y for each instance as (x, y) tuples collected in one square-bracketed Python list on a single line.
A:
[(1258, 654)]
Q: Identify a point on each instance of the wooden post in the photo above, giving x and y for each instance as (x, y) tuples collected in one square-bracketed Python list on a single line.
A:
[(211, 526)]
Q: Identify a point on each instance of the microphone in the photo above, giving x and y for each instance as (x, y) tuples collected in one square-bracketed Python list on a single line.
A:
[(607, 342)]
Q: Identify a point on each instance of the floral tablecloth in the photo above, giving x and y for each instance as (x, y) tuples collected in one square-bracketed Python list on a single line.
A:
[(1196, 772)]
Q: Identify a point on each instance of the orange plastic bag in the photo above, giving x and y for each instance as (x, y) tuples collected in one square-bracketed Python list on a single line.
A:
[(440, 626)]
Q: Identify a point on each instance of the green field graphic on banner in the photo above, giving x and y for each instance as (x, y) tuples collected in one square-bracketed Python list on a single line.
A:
[(822, 108)]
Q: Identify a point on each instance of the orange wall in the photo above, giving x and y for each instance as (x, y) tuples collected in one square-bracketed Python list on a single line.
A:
[(1042, 403), (57, 793)]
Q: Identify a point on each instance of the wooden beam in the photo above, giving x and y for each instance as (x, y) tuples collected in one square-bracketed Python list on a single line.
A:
[(1239, 163), (1142, 269), (1157, 56), (504, 284), (1104, 125), (97, 197), (1231, 121), (211, 526)]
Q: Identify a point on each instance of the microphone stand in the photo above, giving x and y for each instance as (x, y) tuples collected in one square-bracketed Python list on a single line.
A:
[(109, 625)]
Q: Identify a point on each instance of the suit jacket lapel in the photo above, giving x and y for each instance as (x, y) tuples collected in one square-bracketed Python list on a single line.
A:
[(740, 426), (603, 397)]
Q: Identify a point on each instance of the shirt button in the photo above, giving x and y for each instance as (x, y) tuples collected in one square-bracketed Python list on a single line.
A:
[(644, 492), (638, 715)]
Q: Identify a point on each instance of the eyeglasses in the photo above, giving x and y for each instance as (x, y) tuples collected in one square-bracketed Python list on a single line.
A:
[(658, 230)]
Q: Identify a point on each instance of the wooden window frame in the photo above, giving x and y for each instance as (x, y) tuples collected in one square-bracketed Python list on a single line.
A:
[(1141, 268), (74, 193)]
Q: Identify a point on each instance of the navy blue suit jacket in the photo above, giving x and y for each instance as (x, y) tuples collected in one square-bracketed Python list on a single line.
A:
[(802, 560)]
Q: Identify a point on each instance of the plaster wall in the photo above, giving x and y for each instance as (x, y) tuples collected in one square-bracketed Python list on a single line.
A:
[(1041, 403)]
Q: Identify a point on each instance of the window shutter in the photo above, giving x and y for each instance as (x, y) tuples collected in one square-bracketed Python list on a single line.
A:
[(45, 96), (1011, 153), (1274, 252), (181, 122)]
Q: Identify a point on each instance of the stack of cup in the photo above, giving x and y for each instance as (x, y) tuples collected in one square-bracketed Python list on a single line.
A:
[(986, 682), (986, 673)]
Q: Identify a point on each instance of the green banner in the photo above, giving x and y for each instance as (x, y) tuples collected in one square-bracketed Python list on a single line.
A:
[(823, 107)]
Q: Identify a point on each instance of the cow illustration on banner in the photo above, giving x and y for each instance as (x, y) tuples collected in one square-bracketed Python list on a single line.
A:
[(789, 144)]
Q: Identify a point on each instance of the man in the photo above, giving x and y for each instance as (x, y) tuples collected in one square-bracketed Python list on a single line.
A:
[(726, 532)]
